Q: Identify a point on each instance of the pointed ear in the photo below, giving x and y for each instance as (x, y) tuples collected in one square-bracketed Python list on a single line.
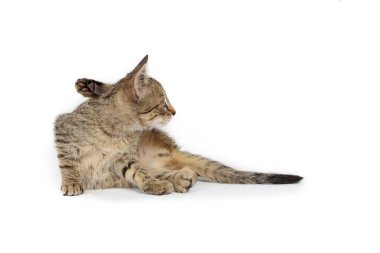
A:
[(139, 77), (141, 64)]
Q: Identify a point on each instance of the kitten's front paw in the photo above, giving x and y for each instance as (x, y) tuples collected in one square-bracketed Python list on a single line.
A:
[(71, 189), (88, 87), (158, 187), (184, 180)]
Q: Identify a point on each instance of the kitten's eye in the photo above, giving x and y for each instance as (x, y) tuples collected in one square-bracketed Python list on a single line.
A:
[(163, 108), (163, 154)]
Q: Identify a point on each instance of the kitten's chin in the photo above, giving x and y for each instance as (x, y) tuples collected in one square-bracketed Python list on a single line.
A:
[(160, 122)]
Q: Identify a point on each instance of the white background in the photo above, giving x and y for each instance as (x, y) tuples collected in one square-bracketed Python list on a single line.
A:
[(274, 86)]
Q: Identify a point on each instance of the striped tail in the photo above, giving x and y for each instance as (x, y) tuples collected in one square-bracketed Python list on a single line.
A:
[(216, 172)]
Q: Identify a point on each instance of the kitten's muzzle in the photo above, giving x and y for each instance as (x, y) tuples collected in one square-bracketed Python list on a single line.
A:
[(172, 110)]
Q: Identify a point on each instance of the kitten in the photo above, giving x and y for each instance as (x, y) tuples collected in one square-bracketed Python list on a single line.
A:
[(162, 161)]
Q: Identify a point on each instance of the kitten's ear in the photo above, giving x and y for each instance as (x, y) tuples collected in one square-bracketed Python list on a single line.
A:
[(139, 77)]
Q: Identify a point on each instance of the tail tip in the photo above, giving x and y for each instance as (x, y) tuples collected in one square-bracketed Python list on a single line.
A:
[(284, 179)]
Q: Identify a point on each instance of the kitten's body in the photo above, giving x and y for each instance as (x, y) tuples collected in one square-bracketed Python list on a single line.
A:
[(97, 143), (93, 148)]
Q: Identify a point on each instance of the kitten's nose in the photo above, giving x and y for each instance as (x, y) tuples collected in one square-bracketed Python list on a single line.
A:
[(172, 110)]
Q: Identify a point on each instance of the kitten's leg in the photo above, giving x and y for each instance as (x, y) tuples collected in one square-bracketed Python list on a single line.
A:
[(182, 179), (135, 174), (71, 185), (68, 162), (91, 88), (145, 182)]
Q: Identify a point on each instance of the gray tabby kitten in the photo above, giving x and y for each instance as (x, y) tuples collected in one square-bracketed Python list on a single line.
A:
[(110, 141)]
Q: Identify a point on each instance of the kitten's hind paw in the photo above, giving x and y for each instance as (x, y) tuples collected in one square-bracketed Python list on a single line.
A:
[(158, 187), (184, 180), (89, 87), (71, 189)]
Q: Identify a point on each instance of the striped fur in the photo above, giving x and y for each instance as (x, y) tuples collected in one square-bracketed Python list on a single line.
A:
[(214, 171)]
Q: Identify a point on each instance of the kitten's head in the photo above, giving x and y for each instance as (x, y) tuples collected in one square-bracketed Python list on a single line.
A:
[(145, 96)]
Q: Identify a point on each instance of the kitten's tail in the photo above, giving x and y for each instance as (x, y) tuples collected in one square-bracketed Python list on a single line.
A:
[(216, 172)]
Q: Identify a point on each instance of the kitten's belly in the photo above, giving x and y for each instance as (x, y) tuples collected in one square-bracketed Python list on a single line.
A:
[(96, 167)]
